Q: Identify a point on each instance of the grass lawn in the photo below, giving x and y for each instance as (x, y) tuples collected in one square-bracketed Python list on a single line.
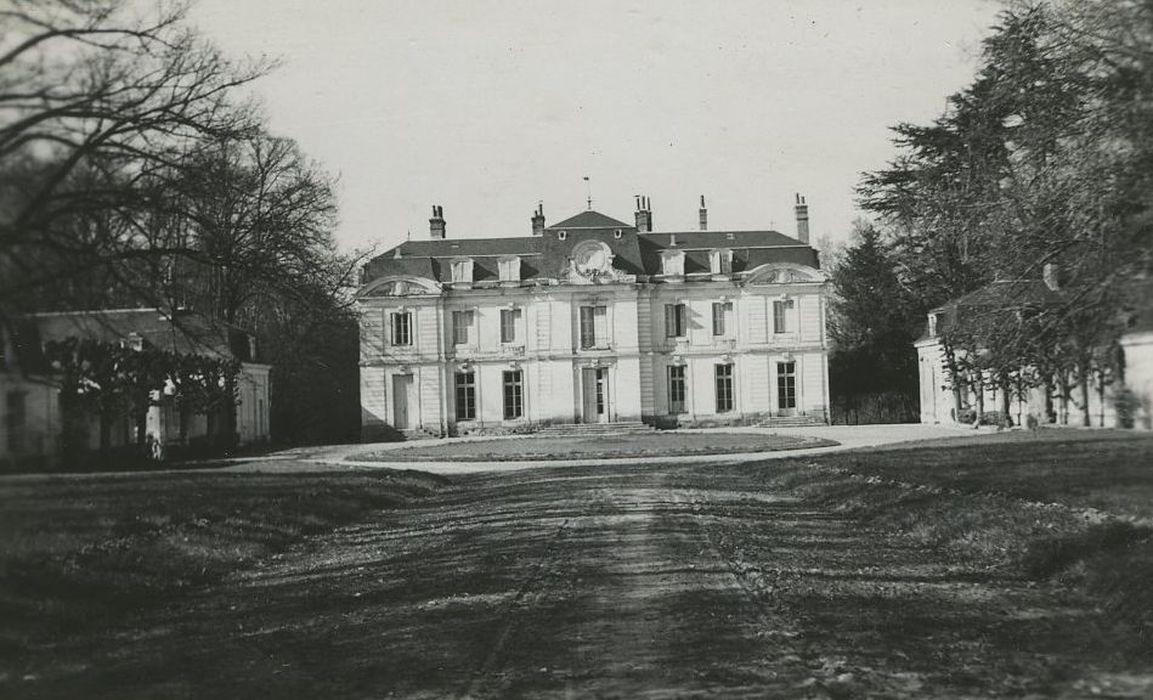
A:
[(79, 553), (656, 444), (1111, 470), (1014, 502)]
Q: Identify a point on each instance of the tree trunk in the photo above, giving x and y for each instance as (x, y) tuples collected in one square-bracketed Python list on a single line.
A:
[(1066, 395), (1006, 395), (1083, 384), (979, 390), (1050, 411), (1101, 399)]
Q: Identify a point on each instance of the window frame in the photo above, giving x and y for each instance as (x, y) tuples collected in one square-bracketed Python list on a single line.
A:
[(461, 271), (677, 385), (722, 314), (509, 320), (512, 383), (724, 381), (508, 269), (788, 390), (593, 334), (721, 261), (461, 328), (464, 395), (676, 320), (396, 317), (781, 313)]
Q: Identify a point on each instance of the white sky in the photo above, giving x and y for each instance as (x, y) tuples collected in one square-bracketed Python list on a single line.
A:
[(486, 106)]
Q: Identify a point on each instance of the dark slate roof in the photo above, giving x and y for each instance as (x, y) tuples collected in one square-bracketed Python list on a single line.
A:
[(995, 297), (546, 256), (1004, 294), (183, 332), (590, 219)]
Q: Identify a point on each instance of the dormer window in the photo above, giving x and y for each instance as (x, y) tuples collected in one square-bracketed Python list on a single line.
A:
[(462, 270), (721, 261), (673, 263), (509, 269)]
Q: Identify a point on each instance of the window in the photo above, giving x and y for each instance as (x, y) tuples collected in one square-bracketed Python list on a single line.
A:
[(508, 322), (676, 325), (724, 388), (513, 394), (786, 385), (461, 327), (562, 235), (465, 396), (16, 418), (721, 261), (402, 328), (594, 326), (673, 262), (509, 269), (676, 389), (722, 311), (781, 312), (462, 271)]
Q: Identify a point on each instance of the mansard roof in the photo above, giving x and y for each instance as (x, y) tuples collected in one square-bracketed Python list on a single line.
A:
[(547, 256)]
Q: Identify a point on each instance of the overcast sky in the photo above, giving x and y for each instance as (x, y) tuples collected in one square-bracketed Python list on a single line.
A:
[(487, 107)]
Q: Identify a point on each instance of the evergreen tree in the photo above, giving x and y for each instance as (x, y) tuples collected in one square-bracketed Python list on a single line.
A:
[(873, 323)]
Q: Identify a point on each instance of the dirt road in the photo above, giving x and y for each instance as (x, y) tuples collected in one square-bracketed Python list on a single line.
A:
[(584, 582)]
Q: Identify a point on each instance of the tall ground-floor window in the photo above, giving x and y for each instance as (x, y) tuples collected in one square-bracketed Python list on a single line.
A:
[(677, 389), (513, 394), (786, 385), (724, 388), (466, 396)]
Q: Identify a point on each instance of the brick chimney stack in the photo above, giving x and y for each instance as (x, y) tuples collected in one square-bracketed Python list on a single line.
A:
[(802, 220), (538, 220), (644, 215), (436, 223), (704, 215)]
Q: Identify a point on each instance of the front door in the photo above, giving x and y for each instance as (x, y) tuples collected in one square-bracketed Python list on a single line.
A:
[(401, 390), (594, 386)]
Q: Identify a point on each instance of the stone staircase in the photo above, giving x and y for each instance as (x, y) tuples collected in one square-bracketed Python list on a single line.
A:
[(594, 429)]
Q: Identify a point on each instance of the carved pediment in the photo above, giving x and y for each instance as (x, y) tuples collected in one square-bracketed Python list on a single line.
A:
[(400, 287), (783, 273)]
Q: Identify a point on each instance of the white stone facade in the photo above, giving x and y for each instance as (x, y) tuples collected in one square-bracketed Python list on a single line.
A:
[(590, 342)]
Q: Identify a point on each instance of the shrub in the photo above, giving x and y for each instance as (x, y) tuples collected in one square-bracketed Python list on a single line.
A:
[(988, 418)]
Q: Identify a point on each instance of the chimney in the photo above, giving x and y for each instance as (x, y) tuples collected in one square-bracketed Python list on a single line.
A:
[(802, 220), (644, 215), (1049, 275), (538, 220), (436, 223), (704, 215)]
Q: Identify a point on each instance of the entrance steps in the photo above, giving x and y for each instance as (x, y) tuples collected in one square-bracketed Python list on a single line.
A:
[(593, 429)]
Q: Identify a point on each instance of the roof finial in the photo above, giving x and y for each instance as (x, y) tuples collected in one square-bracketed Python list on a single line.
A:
[(589, 185)]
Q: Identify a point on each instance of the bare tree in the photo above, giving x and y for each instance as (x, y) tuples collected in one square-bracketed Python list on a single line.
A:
[(98, 105)]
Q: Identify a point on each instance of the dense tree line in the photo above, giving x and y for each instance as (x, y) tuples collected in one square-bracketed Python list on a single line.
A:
[(133, 174), (1045, 159)]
